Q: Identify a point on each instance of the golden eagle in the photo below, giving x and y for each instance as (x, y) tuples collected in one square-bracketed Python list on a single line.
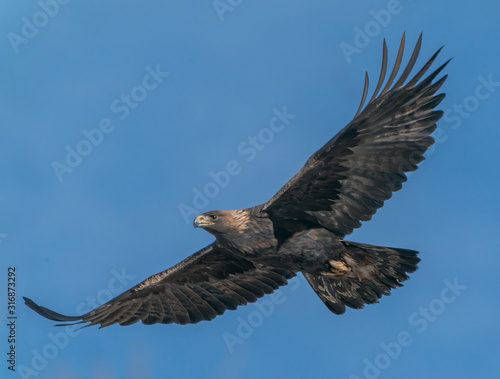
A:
[(302, 228)]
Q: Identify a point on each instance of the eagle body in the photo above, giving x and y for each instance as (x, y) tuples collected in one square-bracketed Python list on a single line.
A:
[(302, 228), (307, 251)]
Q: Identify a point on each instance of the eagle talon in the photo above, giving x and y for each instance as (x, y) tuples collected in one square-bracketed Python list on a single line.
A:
[(338, 267)]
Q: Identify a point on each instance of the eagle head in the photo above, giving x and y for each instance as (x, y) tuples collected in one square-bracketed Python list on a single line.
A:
[(222, 222)]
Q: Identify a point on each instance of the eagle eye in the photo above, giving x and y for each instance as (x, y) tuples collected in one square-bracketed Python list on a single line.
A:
[(213, 217)]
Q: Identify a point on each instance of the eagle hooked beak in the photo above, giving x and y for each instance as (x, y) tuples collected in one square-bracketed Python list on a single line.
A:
[(201, 221)]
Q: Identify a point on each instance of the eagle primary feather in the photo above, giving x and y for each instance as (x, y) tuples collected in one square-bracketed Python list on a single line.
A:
[(301, 229)]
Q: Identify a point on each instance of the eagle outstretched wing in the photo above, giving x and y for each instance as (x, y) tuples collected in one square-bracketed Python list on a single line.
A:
[(351, 176), (201, 287)]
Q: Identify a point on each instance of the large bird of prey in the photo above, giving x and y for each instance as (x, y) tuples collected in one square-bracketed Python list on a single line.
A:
[(302, 228)]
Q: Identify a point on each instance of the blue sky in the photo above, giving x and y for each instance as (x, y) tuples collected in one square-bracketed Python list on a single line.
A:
[(178, 91)]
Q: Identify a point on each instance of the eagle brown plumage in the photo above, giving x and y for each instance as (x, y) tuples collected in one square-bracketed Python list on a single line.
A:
[(302, 228)]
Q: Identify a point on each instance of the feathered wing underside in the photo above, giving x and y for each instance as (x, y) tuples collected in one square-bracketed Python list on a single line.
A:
[(199, 288), (351, 176)]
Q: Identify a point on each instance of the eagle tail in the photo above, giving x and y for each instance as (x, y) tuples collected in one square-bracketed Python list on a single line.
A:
[(362, 275)]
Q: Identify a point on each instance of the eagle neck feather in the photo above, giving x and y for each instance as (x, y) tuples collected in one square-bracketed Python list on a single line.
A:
[(251, 235)]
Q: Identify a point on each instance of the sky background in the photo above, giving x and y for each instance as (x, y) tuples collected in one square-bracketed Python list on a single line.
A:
[(117, 215)]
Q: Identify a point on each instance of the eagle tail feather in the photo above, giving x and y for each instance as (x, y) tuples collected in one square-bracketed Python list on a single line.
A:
[(366, 274)]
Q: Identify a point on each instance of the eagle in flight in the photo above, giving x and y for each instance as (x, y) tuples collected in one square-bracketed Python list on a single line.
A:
[(302, 228)]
